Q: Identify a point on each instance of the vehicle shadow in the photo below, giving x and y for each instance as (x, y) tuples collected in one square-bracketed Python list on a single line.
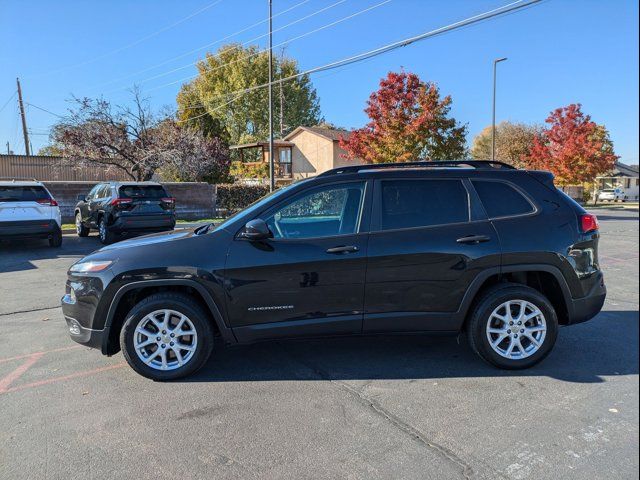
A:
[(607, 345), (18, 255)]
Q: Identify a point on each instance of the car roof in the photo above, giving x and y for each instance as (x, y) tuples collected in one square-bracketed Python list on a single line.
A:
[(20, 183), (120, 184)]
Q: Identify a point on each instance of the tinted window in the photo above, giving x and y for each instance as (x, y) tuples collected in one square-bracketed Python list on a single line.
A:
[(22, 193), (104, 192), (422, 203), (142, 191), (501, 200), (322, 212), (94, 191)]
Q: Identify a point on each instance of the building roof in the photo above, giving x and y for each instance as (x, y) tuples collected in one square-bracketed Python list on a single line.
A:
[(332, 134), (624, 170), (277, 143)]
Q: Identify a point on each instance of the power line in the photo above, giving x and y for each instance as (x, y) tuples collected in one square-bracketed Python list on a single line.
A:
[(203, 47), (286, 42), (500, 11), (44, 110), (177, 69), (7, 102), (133, 44)]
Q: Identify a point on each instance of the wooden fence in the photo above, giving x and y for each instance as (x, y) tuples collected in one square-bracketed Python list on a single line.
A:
[(45, 168)]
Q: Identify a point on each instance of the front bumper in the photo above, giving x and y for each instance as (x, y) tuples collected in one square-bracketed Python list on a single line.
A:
[(85, 336), (28, 229)]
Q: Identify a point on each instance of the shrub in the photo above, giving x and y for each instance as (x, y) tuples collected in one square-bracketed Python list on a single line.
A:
[(234, 197)]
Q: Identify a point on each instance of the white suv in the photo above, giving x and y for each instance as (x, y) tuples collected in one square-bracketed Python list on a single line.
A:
[(27, 210)]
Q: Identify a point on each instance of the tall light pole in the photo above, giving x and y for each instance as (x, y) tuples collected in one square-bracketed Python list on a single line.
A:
[(272, 180), (493, 117)]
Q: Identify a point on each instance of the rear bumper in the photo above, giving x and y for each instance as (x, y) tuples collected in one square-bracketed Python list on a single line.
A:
[(587, 307), (28, 228), (141, 223)]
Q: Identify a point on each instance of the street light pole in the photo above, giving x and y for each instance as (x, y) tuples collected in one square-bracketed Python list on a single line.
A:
[(272, 182), (493, 117)]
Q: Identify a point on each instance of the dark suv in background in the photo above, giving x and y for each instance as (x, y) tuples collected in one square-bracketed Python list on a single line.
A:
[(121, 208), (437, 247)]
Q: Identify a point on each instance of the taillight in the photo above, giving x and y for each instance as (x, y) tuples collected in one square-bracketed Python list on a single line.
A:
[(121, 201), (47, 201), (589, 223), (168, 203), (169, 200)]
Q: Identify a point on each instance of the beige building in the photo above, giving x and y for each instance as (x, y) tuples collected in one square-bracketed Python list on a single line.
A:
[(305, 152)]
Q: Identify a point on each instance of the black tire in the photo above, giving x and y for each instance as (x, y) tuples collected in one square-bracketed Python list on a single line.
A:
[(105, 235), (81, 229), (481, 314), (55, 240), (178, 302)]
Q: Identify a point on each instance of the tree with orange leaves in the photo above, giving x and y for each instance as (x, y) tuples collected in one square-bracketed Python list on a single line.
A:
[(408, 122), (574, 148)]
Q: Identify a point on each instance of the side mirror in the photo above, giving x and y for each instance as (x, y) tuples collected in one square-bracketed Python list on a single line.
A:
[(255, 230), (82, 198)]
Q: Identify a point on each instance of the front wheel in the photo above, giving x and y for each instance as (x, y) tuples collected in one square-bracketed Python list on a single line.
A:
[(166, 336), (81, 229), (106, 237), (513, 327)]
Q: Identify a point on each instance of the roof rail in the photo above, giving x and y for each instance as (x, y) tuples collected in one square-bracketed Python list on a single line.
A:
[(477, 164), (20, 179)]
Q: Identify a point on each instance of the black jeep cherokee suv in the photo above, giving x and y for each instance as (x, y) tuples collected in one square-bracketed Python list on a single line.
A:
[(446, 247), (122, 208)]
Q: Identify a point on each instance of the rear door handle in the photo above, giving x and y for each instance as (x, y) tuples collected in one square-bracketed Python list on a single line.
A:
[(474, 239), (343, 249)]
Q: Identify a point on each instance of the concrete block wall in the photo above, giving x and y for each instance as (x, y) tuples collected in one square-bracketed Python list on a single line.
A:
[(194, 200)]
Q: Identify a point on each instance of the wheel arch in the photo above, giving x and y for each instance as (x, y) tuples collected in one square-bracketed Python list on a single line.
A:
[(129, 295), (546, 279)]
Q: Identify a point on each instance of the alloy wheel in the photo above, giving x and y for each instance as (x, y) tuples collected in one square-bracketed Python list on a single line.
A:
[(516, 329), (165, 340)]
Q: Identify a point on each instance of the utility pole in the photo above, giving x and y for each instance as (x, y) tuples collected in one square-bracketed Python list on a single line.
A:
[(272, 180), (281, 96), (25, 133), (8, 150), (493, 118)]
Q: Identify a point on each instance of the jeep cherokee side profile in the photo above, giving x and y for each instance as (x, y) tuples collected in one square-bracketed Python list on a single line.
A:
[(435, 247), (121, 208)]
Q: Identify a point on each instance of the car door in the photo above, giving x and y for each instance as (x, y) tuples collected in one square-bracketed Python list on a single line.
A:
[(96, 204), (309, 278), (428, 242)]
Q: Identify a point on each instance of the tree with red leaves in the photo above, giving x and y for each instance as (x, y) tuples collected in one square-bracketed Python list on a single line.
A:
[(409, 122), (574, 148)]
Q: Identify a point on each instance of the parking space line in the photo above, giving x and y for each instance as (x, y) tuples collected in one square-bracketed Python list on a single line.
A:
[(61, 378), (18, 372), (27, 355)]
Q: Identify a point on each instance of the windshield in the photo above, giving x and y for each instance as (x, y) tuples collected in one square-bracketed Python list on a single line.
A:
[(257, 204)]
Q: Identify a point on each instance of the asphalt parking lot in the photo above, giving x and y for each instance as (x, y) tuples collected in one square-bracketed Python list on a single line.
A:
[(396, 407)]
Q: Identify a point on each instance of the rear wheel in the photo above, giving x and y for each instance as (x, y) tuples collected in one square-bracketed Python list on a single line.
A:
[(55, 240), (106, 237), (166, 336), (81, 230), (513, 327)]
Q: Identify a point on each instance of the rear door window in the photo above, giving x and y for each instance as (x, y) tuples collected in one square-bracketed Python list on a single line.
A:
[(501, 199), (142, 191), (422, 203), (22, 193)]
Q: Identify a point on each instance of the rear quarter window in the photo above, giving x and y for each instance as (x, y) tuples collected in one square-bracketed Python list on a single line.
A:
[(501, 199), (142, 191), (31, 193)]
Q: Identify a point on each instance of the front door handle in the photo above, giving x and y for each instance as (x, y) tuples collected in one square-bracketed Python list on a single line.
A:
[(343, 249), (474, 239)]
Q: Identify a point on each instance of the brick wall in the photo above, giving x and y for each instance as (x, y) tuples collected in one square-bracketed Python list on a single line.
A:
[(194, 200)]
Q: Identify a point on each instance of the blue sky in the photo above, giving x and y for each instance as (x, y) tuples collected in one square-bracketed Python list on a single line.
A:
[(560, 52)]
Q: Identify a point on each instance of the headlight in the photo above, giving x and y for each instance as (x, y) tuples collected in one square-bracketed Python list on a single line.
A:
[(87, 267)]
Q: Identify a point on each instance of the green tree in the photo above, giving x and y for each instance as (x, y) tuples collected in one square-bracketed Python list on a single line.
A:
[(513, 143), (208, 100)]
